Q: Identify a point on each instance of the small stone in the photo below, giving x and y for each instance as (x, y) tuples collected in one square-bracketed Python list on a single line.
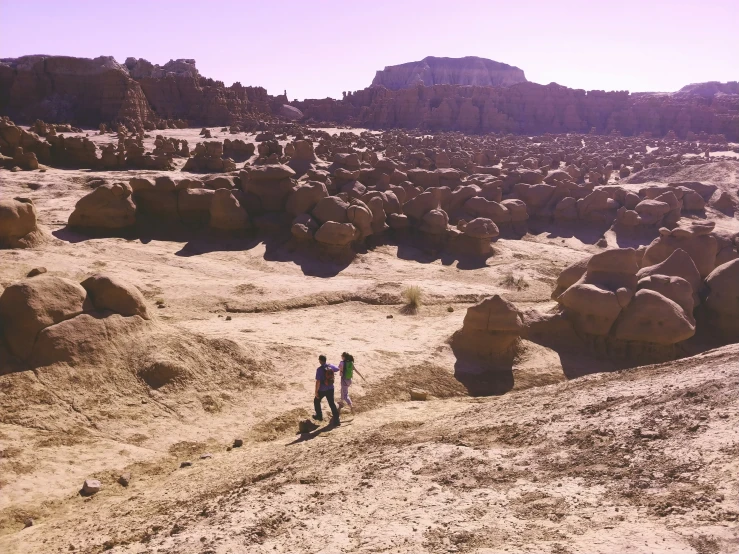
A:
[(238, 443), (206, 456), (91, 486), (648, 434), (450, 309), (160, 306), (228, 449), (186, 463), (36, 271), (390, 316), (417, 394), (124, 479), (28, 522), (228, 318)]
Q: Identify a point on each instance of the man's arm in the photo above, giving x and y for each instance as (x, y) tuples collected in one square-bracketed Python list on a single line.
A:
[(332, 367), (362, 376)]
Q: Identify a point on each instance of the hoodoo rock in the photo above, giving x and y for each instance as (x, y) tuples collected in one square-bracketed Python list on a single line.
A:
[(109, 206), (490, 331), (722, 300), (431, 70)]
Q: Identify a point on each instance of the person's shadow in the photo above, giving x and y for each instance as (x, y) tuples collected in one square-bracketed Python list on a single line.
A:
[(304, 437)]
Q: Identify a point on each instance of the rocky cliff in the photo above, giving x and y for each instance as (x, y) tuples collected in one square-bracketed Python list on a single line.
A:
[(91, 91), (431, 70), (530, 108)]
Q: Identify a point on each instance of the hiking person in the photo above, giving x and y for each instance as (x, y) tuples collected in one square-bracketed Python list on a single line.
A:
[(347, 368), (325, 389)]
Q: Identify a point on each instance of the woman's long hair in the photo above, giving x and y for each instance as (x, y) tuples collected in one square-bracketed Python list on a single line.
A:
[(347, 357)]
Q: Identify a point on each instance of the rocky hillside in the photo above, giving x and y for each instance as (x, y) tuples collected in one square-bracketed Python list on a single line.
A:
[(92, 91), (431, 70)]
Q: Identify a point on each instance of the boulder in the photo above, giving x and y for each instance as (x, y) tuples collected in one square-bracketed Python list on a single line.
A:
[(722, 300), (359, 215), (109, 206), (31, 305), (272, 184), (676, 289), (108, 293), (331, 208), (592, 309), (481, 228), (17, 222), (490, 331), (480, 207), (677, 264), (304, 227), (569, 276), (651, 317), (305, 197), (333, 233)]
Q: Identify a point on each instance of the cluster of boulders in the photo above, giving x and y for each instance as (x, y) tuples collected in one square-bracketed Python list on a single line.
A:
[(43, 129), (618, 304), (635, 304), (47, 319), (18, 223)]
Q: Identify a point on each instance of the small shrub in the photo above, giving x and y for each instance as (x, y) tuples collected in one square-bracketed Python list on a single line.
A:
[(413, 297), (512, 282)]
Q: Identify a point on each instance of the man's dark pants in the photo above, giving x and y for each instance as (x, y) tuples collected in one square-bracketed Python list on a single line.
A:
[(328, 395)]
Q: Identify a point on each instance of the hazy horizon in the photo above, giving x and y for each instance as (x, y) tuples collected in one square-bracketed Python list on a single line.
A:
[(320, 50)]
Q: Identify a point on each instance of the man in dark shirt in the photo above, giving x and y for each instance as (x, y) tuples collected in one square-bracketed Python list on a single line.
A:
[(325, 389)]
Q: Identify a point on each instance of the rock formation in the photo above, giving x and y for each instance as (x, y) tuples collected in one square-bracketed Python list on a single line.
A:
[(48, 319), (431, 70), (18, 228)]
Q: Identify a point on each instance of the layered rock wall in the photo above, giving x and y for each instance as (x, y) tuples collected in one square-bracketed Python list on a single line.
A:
[(530, 108)]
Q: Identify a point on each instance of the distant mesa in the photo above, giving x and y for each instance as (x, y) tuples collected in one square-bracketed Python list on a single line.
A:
[(431, 70)]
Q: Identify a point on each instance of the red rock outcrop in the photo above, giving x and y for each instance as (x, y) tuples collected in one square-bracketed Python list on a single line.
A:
[(530, 108), (431, 70)]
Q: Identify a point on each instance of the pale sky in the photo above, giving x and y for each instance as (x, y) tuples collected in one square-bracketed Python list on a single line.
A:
[(321, 48)]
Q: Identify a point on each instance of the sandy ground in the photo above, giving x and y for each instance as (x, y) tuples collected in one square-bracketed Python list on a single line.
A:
[(555, 465)]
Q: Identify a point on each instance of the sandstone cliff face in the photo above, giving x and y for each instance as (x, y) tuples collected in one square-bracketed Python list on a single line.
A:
[(431, 70), (530, 108), (89, 92), (65, 89)]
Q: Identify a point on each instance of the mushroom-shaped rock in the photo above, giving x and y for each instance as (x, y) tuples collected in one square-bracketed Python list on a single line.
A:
[(481, 228), (271, 183), (109, 293), (305, 197), (336, 234), (331, 208), (17, 222), (157, 200), (652, 211), (722, 300), (227, 213), (30, 305), (491, 329), (651, 317), (109, 206)]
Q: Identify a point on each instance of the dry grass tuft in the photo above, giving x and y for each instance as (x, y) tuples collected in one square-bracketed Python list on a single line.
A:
[(512, 282), (413, 297)]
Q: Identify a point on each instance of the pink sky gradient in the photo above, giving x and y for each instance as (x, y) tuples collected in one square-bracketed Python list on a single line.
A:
[(321, 48)]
